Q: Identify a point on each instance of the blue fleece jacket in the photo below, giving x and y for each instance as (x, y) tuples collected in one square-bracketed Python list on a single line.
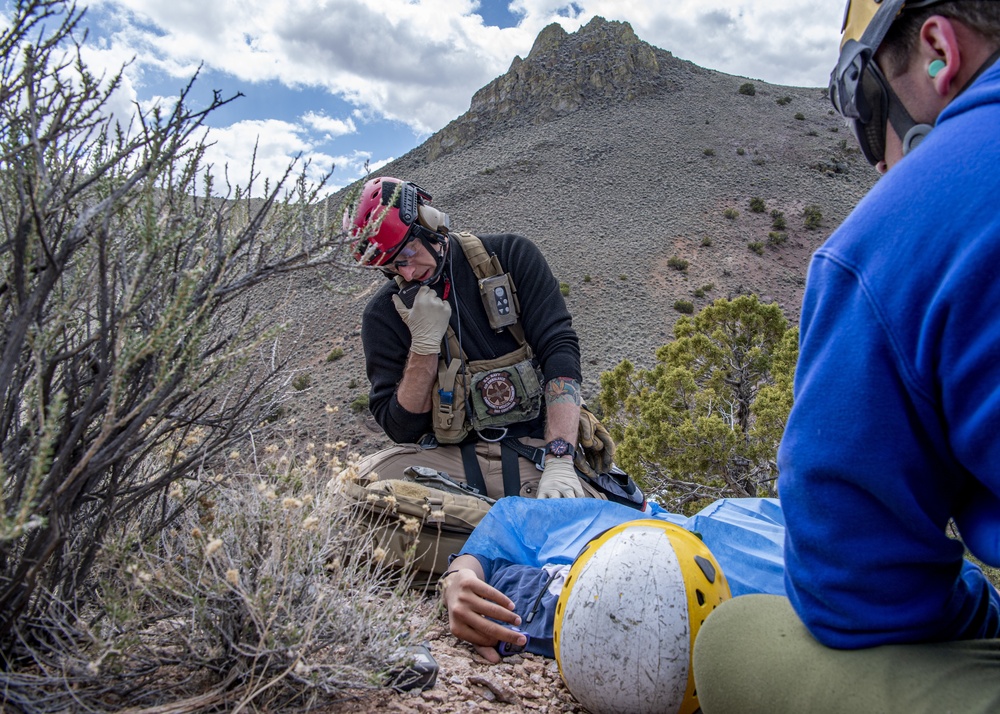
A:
[(896, 423)]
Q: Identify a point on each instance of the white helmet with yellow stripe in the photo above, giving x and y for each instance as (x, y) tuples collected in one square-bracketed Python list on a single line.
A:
[(628, 615)]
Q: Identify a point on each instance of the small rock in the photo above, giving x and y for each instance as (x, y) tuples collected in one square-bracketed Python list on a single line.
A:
[(532, 665), (503, 693)]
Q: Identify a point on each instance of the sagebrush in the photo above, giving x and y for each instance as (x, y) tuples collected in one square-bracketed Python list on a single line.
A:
[(133, 357)]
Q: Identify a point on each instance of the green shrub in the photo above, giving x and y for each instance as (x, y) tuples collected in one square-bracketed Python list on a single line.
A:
[(748, 89), (704, 290), (813, 216), (359, 404), (674, 424), (800, 116), (782, 101), (335, 354), (586, 278), (776, 238), (301, 381), (757, 205), (706, 241), (685, 307), (709, 152), (623, 277), (678, 263), (353, 384), (564, 289), (756, 247), (778, 221), (731, 214), (740, 151)]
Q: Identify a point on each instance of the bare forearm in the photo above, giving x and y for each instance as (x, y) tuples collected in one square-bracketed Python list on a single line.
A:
[(414, 390), (562, 408)]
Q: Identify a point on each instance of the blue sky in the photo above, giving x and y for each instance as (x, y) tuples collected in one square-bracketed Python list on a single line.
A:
[(342, 82)]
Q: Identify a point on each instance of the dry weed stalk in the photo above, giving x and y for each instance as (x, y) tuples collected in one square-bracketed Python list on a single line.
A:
[(263, 596)]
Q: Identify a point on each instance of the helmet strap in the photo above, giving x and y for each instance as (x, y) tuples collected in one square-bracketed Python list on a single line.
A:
[(907, 129), (432, 241)]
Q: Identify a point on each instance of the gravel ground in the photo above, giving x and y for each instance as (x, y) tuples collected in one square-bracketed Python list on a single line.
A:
[(466, 682)]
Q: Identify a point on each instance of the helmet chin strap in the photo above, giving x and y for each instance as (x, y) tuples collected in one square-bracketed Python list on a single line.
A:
[(431, 242), (432, 230), (910, 132)]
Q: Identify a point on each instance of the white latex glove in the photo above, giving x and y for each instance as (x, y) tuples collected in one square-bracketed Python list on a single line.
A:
[(559, 480), (427, 320)]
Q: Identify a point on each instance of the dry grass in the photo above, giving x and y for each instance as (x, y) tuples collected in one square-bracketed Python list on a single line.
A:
[(263, 596)]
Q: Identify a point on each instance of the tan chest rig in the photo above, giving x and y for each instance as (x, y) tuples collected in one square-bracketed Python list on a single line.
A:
[(485, 396)]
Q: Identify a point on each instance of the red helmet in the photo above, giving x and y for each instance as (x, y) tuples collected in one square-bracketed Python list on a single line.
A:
[(381, 220)]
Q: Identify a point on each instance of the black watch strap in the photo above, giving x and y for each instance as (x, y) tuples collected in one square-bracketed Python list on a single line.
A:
[(560, 447)]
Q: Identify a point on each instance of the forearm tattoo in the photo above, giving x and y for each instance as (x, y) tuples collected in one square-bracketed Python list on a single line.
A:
[(563, 390)]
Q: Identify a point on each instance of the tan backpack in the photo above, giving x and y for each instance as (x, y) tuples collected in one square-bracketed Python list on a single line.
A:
[(419, 521)]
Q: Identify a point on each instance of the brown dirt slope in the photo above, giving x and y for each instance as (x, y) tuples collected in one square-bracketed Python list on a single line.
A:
[(644, 166)]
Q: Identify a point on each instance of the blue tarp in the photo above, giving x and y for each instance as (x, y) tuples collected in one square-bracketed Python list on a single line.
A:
[(746, 535), (520, 536)]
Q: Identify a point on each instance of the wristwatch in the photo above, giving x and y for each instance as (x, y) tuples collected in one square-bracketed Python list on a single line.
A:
[(559, 447)]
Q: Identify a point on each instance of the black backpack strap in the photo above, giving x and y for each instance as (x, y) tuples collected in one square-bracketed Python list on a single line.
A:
[(511, 469), (533, 454), (473, 474)]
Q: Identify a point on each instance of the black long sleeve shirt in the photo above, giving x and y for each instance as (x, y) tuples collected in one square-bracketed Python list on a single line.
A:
[(548, 329)]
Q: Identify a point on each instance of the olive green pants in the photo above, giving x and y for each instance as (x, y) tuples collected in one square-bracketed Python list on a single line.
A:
[(753, 654)]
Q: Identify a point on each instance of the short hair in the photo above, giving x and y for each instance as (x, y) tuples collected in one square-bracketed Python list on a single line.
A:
[(981, 16)]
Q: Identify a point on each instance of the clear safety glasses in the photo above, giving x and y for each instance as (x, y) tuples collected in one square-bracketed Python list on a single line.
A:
[(405, 253)]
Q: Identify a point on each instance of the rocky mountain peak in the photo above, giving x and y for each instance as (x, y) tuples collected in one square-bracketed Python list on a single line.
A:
[(601, 63)]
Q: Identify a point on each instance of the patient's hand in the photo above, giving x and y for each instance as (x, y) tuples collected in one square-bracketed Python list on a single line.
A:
[(470, 601)]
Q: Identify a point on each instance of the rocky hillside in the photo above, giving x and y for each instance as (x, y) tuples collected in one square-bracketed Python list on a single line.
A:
[(634, 172)]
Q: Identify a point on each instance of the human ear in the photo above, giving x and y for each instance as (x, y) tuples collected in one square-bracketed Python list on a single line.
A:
[(939, 45)]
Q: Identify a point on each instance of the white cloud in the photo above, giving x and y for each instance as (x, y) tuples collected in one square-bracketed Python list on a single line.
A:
[(329, 125), (276, 143), (780, 41), (416, 62), (419, 62)]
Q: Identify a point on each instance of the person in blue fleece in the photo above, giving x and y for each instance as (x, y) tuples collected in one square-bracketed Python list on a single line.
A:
[(895, 430)]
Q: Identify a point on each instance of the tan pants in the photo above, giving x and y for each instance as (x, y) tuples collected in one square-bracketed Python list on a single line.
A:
[(390, 464)]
